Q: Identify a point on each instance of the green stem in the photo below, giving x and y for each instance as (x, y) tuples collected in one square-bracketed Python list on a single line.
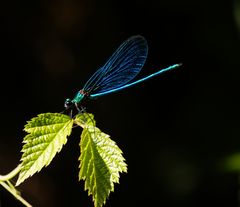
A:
[(15, 194), (11, 174), (5, 182)]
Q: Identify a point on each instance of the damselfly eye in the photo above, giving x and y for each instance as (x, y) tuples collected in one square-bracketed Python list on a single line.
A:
[(68, 103)]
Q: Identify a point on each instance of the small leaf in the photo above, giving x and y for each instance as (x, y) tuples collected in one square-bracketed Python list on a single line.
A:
[(48, 133), (101, 161), (84, 119)]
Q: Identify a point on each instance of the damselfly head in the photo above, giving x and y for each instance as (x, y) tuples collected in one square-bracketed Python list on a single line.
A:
[(68, 103)]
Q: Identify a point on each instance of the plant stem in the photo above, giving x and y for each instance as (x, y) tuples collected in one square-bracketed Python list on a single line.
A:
[(11, 174), (15, 194), (5, 182)]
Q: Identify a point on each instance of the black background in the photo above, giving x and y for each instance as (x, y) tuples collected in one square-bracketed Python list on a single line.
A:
[(176, 130)]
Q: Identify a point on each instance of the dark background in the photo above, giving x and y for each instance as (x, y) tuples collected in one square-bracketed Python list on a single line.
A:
[(179, 132)]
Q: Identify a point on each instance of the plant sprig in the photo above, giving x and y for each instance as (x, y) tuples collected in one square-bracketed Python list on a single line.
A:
[(101, 160)]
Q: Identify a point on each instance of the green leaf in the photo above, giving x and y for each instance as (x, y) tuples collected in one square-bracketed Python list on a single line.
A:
[(101, 160), (47, 134), (84, 119)]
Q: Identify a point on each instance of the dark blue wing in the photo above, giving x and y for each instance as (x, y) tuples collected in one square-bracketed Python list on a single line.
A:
[(122, 67)]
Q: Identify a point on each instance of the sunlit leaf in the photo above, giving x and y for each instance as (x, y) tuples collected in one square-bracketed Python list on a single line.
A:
[(47, 134), (101, 161)]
